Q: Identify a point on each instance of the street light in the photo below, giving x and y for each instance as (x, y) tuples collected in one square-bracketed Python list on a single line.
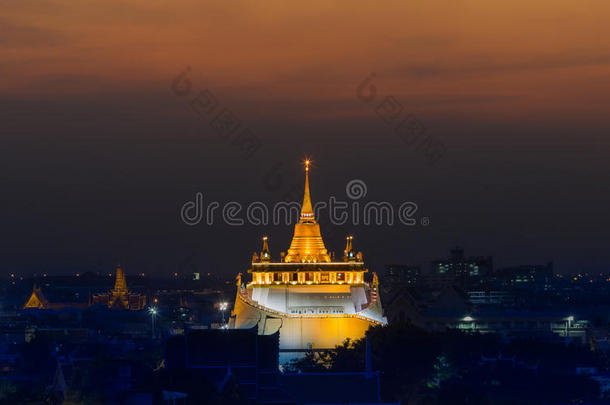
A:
[(469, 319), (153, 312), (223, 307)]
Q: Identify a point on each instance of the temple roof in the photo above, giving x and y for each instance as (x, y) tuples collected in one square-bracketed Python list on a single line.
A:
[(307, 245), (299, 266), (120, 283), (37, 299)]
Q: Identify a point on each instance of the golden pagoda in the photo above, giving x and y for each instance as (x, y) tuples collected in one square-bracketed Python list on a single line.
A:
[(120, 297), (313, 301), (307, 245)]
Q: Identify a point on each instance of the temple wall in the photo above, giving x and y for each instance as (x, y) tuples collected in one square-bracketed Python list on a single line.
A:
[(299, 333), (245, 316), (277, 299), (335, 299), (358, 297), (319, 333)]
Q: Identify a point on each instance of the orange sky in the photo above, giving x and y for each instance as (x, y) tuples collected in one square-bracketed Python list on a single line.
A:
[(93, 140), (521, 59)]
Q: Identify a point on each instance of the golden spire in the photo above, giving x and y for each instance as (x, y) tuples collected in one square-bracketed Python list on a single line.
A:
[(120, 283), (119, 294), (348, 247), (348, 255), (306, 209), (265, 253), (307, 245)]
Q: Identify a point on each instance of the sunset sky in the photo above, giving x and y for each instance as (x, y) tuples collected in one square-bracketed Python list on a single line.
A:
[(97, 154)]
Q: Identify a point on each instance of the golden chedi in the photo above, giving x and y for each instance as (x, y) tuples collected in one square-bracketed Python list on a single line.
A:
[(314, 302)]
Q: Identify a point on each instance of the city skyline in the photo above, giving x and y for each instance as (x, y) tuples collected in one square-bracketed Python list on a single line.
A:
[(322, 202)]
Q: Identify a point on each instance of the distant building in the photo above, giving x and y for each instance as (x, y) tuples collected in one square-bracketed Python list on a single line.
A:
[(54, 299), (252, 361), (515, 323), (528, 276), (450, 308), (492, 297), (37, 299), (120, 297), (401, 274), (404, 305), (460, 269)]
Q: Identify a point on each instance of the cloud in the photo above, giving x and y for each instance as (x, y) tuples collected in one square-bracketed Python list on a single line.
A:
[(14, 34), (484, 66), (465, 99)]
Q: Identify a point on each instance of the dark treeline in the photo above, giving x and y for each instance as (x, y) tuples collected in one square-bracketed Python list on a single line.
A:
[(453, 367)]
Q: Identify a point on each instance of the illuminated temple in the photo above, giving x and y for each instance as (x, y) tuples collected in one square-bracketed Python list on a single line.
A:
[(37, 300), (314, 302), (120, 297)]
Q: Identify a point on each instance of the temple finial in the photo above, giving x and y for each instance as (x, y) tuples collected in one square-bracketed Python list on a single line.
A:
[(265, 253), (306, 208), (348, 253)]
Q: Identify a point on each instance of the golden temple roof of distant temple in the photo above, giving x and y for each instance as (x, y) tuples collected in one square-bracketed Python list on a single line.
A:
[(37, 300), (307, 245), (120, 297), (120, 283)]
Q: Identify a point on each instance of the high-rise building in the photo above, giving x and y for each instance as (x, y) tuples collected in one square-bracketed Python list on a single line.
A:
[(459, 269), (314, 302), (402, 274), (528, 276)]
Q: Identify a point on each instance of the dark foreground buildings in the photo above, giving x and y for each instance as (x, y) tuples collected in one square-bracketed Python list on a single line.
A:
[(516, 334), (243, 358)]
